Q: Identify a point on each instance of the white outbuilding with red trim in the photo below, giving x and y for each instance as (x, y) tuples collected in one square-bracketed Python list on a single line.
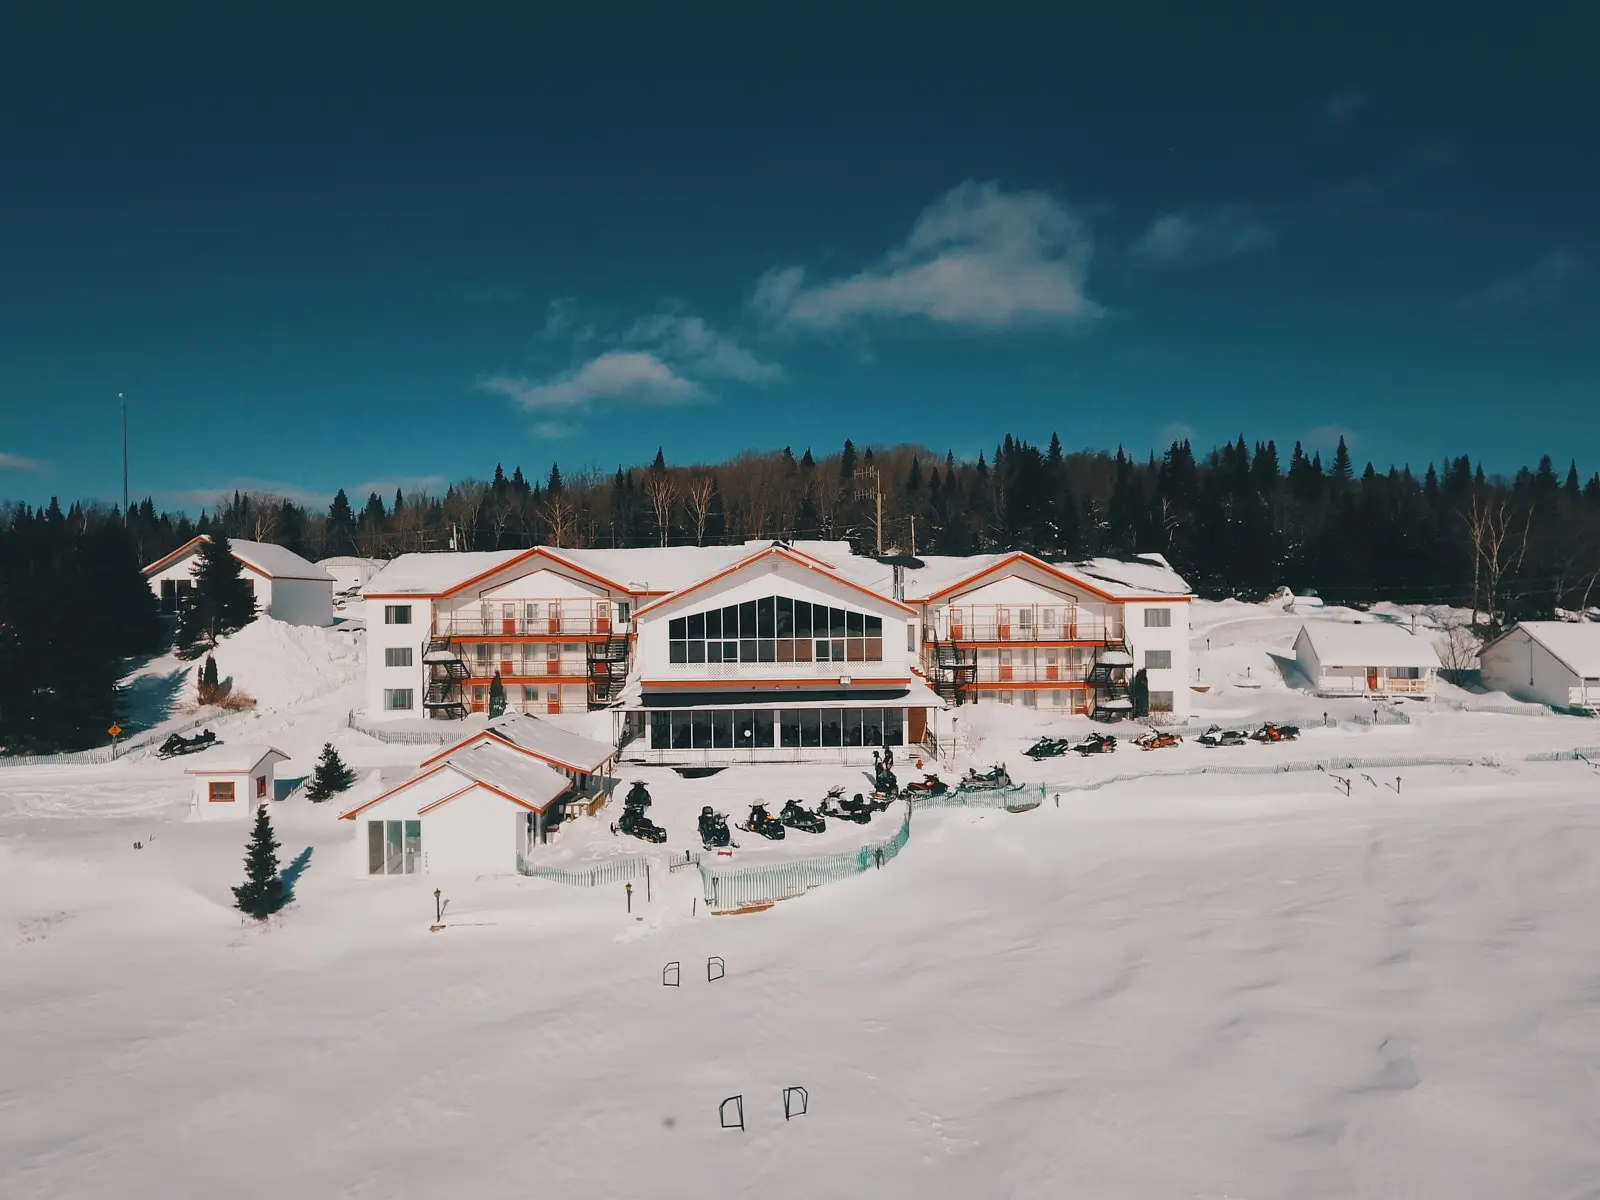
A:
[(230, 781), (286, 586), (474, 811)]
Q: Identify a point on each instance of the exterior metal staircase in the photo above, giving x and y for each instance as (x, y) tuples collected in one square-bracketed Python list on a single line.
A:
[(953, 671), (608, 668), (445, 694), (1108, 678)]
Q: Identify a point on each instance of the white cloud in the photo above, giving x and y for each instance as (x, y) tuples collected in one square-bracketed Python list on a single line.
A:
[(1178, 238), (980, 257), (553, 430), (27, 466), (1539, 283), (1345, 105), (625, 376), (561, 324), (698, 349)]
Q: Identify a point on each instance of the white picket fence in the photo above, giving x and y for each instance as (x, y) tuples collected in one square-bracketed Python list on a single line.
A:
[(100, 755)]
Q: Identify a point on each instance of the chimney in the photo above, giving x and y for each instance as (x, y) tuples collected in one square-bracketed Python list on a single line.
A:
[(899, 590)]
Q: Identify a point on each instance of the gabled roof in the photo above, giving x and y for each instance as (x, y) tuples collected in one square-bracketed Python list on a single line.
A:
[(540, 739), (778, 550), (436, 575), (264, 558), (1369, 644), (506, 771), (1574, 644), (233, 760), (936, 583)]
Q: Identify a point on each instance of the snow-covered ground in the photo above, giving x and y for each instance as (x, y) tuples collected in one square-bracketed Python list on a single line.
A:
[(1181, 986)]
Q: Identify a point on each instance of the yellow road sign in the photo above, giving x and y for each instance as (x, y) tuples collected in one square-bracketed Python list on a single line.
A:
[(115, 730)]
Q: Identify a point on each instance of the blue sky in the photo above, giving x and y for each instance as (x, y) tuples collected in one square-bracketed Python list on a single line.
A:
[(368, 251)]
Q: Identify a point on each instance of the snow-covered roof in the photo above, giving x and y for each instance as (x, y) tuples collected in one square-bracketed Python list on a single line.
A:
[(1144, 576), (1369, 644), (275, 562), (520, 777), (559, 745), (348, 560), (429, 574), (1577, 644), (229, 759)]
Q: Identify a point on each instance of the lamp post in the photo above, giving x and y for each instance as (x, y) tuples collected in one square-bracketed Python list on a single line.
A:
[(438, 913), (628, 887)]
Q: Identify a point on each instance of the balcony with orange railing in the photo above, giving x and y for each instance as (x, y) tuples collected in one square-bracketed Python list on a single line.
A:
[(1029, 624), (533, 619)]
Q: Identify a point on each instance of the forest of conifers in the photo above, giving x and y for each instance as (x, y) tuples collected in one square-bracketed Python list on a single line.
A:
[(1239, 521)]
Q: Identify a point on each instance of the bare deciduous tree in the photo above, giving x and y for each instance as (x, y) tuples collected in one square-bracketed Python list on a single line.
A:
[(560, 517), (697, 503), (1498, 547), (662, 492)]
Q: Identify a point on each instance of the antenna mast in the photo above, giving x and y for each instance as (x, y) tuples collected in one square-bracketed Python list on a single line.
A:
[(123, 401)]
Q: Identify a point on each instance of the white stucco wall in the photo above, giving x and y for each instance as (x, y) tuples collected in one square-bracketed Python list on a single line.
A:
[(1524, 669), (297, 601), (381, 635), (245, 798), (477, 833), (1173, 638)]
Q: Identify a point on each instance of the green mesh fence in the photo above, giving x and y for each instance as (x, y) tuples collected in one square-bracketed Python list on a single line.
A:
[(780, 881)]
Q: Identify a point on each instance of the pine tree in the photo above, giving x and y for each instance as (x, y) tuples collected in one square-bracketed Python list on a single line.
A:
[(847, 460), (262, 893), (221, 601), (1139, 693), (497, 697), (1342, 472), (659, 463), (330, 777), (553, 487), (209, 690)]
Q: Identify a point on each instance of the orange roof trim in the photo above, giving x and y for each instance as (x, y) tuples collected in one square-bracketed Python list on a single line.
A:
[(1049, 569), (161, 564), (799, 558)]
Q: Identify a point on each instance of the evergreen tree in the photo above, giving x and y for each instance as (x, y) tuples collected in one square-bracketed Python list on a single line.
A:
[(807, 463), (847, 460), (497, 697), (263, 892), (659, 463), (1342, 471), (330, 777), (1139, 693), (221, 601), (553, 487), (209, 690)]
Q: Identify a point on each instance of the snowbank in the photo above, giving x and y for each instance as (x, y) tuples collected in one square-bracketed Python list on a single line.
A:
[(280, 665)]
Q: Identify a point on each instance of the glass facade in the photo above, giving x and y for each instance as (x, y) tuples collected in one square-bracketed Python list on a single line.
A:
[(766, 729), (394, 847), (775, 629)]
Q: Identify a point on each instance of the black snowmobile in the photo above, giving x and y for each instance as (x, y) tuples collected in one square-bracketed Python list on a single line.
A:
[(796, 817), (635, 824), (638, 795), (1217, 736), (1097, 743), (713, 829), (177, 744), (1048, 747), (995, 779), (764, 823), (1276, 733), (857, 809)]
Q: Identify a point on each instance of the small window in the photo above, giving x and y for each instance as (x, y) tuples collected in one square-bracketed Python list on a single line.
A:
[(1158, 618), (397, 656), (397, 699), (1158, 660), (1161, 702), (911, 637), (220, 791), (397, 614), (261, 787)]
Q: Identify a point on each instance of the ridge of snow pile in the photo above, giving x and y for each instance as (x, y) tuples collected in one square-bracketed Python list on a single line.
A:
[(279, 665)]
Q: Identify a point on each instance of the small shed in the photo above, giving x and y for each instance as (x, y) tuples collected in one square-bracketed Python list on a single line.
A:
[(1366, 658), (476, 811), (287, 587), (230, 780), (1549, 662)]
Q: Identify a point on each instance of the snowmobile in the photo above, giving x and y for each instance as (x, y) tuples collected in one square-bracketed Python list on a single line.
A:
[(928, 785), (764, 823), (885, 786), (177, 744), (635, 824), (797, 817), (1097, 743), (995, 779), (638, 795), (1276, 733), (1048, 747), (1156, 739), (1217, 736), (713, 829), (857, 809)]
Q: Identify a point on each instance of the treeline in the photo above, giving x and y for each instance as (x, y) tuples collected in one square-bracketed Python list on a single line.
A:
[(1238, 521)]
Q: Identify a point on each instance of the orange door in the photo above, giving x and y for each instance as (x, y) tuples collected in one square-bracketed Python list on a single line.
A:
[(1051, 672), (508, 618), (552, 661), (555, 617), (1372, 679), (1003, 621), (956, 624), (553, 705), (602, 616), (508, 667), (917, 719)]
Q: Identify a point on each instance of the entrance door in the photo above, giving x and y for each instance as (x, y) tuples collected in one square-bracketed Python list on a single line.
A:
[(602, 616), (917, 718), (552, 659), (555, 616), (553, 701), (508, 618), (1372, 679), (1003, 621), (957, 624), (1005, 666)]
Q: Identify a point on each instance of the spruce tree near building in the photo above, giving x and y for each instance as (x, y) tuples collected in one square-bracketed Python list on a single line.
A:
[(497, 697), (262, 893), (222, 600), (1139, 693), (330, 777)]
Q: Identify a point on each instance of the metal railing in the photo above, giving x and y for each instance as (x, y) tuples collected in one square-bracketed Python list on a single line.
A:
[(562, 624), (725, 890), (99, 755), (1024, 623), (1043, 674), (621, 869), (778, 670), (1360, 685)]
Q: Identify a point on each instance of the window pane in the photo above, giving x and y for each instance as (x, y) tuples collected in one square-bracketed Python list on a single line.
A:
[(678, 652), (802, 618), (786, 650), (855, 624), (744, 729), (681, 725), (836, 622), (855, 649), (374, 847), (789, 727), (832, 727), (722, 729), (697, 625), (785, 617), (894, 726), (763, 727), (660, 731), (697, 652), (874, 649), (747, 650), (874, 626), (730, 621), (714, 652), (730, 651), (838, 649), (702, 729), (872, 727), (822, 652), (747, 620), (1158, 660), (802, 650), (714, 623), (413, 847), (678, 628), (810, 727), (394, 856), (852, 727), (764, 616), (766, 650)]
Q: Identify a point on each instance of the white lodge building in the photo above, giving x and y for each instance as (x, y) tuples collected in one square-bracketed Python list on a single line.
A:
[(774, 651)]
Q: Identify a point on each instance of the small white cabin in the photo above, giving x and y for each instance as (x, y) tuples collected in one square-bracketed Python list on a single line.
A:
[(287, 587), (1548, 662), (1366, 658), (233, 780)]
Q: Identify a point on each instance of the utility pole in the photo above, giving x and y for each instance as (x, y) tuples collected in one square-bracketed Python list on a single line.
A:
[(913, 535), (124, 403)]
